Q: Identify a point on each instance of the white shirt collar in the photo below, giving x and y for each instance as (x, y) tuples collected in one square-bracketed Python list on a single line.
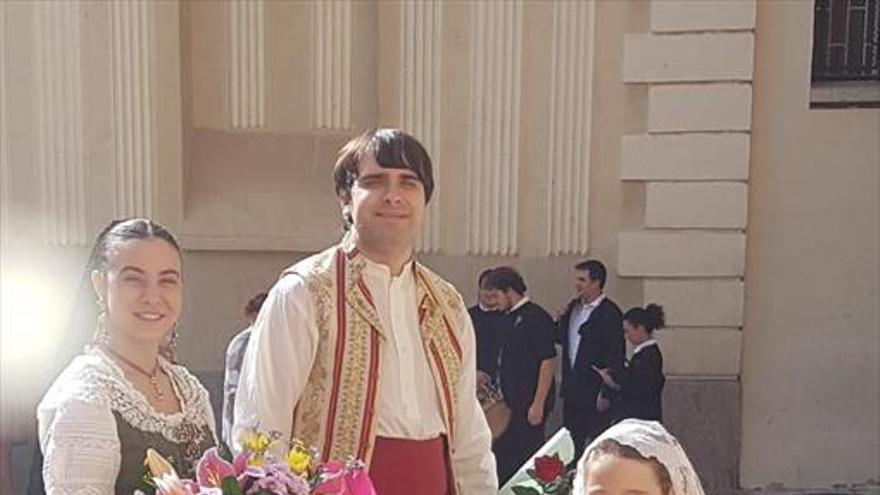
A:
[(380, 271), (592, 305), (518, 305), (644, 344)]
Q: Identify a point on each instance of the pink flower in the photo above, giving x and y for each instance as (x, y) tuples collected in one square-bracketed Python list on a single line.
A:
[(340, 479), (357, 482), (170, 484), (212, 469)]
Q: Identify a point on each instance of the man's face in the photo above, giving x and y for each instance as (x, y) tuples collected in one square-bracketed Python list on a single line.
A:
[(488, 297), (586, 287), (387, 204), (502, 299)]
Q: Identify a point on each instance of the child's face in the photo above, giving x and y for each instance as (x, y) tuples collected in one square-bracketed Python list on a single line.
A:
[(613, 475)]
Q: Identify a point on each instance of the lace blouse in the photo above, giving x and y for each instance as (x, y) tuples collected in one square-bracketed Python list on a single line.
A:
[(92, 419)]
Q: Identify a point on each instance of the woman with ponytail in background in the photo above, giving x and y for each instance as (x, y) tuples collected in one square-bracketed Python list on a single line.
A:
[(124, 394), (636, 391)]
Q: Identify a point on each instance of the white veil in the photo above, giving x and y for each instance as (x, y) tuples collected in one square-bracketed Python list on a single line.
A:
[(651, 440)]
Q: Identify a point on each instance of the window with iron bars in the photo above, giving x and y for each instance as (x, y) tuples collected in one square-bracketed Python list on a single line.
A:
[(846, 53)]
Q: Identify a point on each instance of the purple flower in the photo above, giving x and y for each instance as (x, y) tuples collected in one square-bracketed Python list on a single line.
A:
[(275, 478)]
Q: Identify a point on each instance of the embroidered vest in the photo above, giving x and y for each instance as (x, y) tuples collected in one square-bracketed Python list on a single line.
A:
[(337, 410)]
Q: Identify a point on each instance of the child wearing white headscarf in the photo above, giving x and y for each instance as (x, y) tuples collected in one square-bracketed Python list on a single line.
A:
[(636, 455)]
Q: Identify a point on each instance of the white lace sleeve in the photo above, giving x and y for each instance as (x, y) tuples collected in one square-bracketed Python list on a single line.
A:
[(80, 448)]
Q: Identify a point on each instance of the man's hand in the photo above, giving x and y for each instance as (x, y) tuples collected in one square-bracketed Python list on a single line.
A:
[(602, 404), (604, 374), (483, 379), (536, 414)]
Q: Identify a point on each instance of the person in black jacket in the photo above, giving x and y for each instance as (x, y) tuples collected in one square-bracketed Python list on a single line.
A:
[(488, 323), (636, 390), (526, 365), (591, 333)]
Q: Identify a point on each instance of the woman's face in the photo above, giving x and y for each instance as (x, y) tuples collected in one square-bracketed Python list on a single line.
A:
[(635, 334), (615, 475), (142, 288)]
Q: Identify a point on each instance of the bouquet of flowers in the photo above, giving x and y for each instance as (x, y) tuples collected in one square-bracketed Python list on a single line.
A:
[(550, 475), (262, 469)]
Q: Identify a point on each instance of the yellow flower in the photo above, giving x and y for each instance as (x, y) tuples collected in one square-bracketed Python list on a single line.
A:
[(158, 465), (258, 443), (299, 459)]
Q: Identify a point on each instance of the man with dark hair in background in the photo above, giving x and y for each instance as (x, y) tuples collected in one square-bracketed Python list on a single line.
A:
[(591, 333), (487, 325), (527, 362)]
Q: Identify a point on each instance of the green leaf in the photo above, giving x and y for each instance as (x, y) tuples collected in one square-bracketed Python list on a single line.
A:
[(525, 490), (229, 485), (225, 452)]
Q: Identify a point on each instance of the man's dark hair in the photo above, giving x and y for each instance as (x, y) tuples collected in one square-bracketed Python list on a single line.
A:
[(391, 148), (483, 276), (504, 278), (252, 308), (596, 269)]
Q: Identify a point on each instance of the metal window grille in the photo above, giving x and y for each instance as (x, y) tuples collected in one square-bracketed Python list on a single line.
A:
[(846, 40)]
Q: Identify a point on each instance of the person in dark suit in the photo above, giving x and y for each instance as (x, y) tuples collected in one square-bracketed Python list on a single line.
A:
[(591, 333), (636, 390), (488, 323), (526, 365)]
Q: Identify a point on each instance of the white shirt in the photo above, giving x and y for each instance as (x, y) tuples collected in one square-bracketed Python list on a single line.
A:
[(644, 344), (522, 302), (282, 351), (579, 315), (77, 428)]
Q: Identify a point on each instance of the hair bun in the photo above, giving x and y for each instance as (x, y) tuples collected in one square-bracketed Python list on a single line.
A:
[(655, 311)]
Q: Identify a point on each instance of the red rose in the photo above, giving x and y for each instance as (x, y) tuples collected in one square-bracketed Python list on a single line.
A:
[(548, 469)]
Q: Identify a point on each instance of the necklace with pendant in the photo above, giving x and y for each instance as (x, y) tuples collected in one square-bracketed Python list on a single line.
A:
[(152, 376)]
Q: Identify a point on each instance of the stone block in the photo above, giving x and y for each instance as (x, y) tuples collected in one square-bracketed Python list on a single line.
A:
[(694, 205), (716, 156), (688, 57), (710, 254), (711, 303), (705, 417), (690, 15), (701, 352), (700, 107)]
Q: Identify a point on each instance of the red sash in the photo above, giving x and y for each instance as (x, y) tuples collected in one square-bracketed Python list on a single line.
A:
[(405, 467)]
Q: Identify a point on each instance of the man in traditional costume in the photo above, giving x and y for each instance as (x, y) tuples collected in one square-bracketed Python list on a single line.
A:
[(361, 351)]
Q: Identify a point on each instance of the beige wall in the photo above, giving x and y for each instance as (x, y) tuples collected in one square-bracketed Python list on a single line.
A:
[(811, 358), (706, 186), (259, 196)]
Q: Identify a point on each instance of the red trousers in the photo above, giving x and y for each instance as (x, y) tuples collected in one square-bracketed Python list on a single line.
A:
[(407, 467)]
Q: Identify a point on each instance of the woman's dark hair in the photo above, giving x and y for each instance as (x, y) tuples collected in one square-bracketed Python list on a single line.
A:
[(391, 148), (126, 230), (651, 317), (611, 447), (504, 278)]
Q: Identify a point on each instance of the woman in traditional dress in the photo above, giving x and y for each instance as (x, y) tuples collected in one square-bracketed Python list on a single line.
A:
[(636, 456), (124, 394)]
